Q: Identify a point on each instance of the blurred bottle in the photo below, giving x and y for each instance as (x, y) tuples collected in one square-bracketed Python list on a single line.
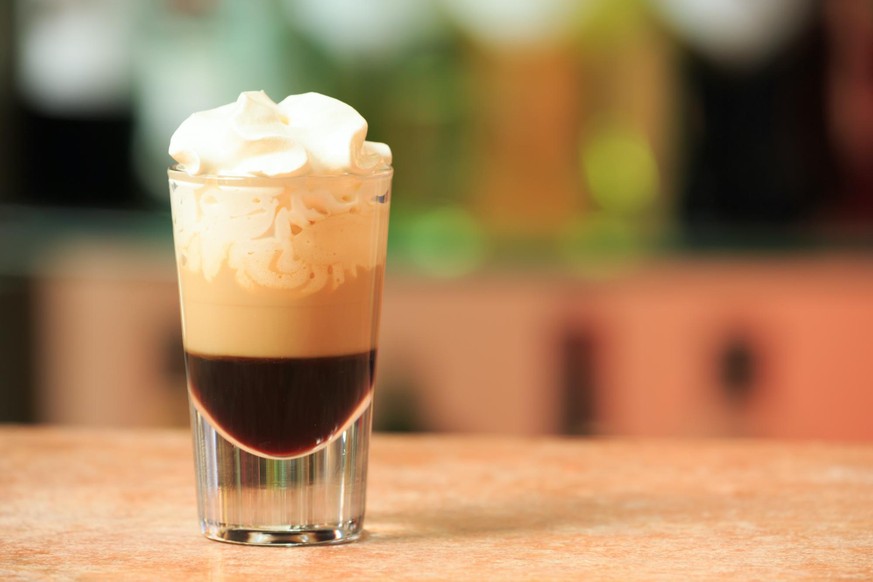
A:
[(72, 93), (527, 102), (754, 143), (849, 33), (192, 55), (572, 121)]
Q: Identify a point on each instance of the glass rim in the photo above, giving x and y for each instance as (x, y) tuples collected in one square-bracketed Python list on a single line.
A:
[(175, 173)]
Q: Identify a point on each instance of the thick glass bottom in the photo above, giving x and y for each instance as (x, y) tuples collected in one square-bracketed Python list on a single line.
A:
[(246, 498), (293, 537)]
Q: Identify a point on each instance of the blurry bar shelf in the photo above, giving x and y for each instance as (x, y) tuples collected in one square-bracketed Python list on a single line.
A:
[(98, 504)]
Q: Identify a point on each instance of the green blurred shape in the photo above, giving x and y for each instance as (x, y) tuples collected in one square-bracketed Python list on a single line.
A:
[(444, 242), (620, 169)]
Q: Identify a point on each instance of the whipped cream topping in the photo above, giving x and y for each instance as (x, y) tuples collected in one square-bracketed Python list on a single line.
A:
[(255, 137)]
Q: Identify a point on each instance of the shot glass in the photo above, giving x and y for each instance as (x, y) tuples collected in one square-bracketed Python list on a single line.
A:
[(280, 285)]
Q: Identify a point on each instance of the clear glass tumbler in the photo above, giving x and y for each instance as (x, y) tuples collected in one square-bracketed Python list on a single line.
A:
[(280, 284)]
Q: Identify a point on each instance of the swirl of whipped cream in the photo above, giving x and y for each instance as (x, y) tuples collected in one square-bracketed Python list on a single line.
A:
[(301, 234), (303, 134)]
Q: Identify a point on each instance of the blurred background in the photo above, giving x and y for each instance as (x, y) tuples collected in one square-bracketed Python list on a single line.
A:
[(617, 217)]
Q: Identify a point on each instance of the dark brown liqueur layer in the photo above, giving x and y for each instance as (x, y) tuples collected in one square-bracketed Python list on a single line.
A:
[(280, 407)]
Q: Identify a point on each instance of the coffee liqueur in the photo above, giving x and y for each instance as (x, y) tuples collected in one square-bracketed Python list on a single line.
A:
[(281, 407)]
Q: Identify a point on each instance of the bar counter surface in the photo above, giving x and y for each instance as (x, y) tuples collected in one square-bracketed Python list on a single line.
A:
[(119, 505)]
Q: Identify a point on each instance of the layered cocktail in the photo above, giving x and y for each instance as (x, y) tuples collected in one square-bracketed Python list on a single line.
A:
[(280, 216)]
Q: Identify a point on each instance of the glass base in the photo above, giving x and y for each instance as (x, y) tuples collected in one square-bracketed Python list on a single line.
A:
[(300, 537), (245, 498)]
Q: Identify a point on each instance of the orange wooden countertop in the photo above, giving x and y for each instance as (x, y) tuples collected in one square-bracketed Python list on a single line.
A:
[(118, 504)]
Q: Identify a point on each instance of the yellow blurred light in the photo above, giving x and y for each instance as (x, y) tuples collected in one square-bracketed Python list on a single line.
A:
[(620, 170)]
